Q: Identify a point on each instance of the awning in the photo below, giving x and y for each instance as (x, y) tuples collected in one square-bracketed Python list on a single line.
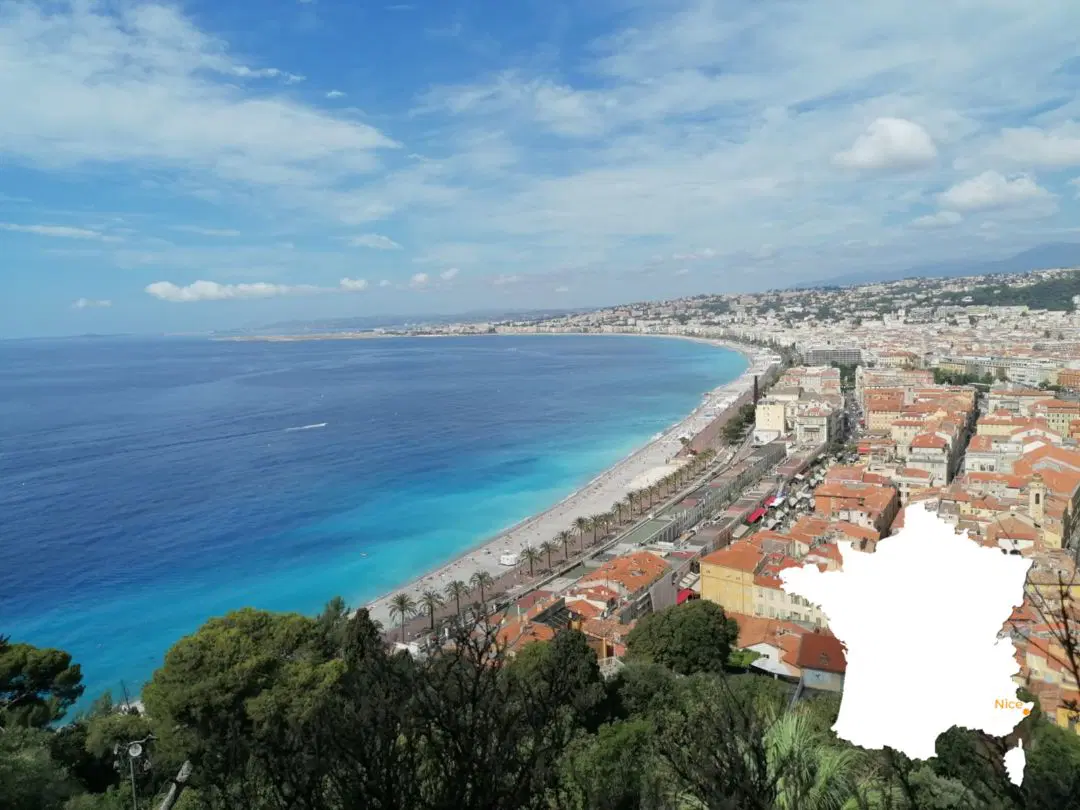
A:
[(685, 594), (755, 515)]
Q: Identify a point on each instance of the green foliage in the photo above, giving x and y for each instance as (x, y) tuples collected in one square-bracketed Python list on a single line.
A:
[(1052, 775), (37, 685), (640, 688), (847, 375), (245, 692), (943, 377), (85, 747), (736, 426), (30, 779), (742, 659), (1052, 294), (695, 636), (283, 712), (615, 769)]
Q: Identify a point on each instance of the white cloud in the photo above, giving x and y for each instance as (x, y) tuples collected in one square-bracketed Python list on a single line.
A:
[(1058, 147), (145, 86), (225, 233), (335, 94), (449, 274), (265, 73), (384, 283), (939, 219), (213, 291), (1075, 183), (90, 303), (890, 143), (562, 289), (59, 232), (418, 280), (991, 190), (374, 240), (682, 271), (707, 253), (694, 123), (504, 279)]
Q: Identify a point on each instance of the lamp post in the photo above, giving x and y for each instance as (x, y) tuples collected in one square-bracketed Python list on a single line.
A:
[(133, 751)]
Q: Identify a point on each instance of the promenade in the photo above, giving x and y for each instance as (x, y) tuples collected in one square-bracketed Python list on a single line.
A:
[(658, 457)]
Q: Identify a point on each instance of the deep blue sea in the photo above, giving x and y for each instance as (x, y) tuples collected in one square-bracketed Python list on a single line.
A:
[(147, 485)]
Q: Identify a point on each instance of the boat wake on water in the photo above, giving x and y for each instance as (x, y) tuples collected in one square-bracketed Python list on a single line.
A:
[(305, 427)]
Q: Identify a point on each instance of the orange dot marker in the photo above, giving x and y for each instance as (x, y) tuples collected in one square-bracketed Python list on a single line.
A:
[(1027, 711)]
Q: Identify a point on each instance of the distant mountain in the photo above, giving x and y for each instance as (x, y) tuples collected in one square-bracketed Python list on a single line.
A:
[(1042, 257)]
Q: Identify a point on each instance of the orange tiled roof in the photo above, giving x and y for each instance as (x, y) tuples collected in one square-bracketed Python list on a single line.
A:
[(583, 608), (758, 629), (913, 472), (611, 629), (929, 441), (740, 556), (632, 571), (522, 632), (822, 651)]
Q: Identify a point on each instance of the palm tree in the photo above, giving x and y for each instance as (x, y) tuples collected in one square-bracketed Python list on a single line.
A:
[(481, 580), (431, 601), (531, 556), (564, 537), (617, 508), (668, 482), (632, 499), (547, 548), (810, 773), (404, 607), (595, 522), (605, 519), (588, 528), (582, 525), (455, 590)]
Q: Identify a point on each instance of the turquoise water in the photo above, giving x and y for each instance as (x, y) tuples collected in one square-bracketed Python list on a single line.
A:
[(147, 485)]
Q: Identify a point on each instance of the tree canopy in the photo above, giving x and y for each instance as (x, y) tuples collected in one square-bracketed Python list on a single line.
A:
[(37, 685), (266, 711), (695, 636)]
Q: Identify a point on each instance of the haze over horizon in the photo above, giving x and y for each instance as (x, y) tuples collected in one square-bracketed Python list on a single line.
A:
[(196, 166)]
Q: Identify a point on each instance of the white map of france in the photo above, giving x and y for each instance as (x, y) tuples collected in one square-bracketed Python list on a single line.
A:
[(922, 619)]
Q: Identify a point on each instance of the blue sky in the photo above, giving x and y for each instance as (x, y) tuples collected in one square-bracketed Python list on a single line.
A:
[(217, 164)]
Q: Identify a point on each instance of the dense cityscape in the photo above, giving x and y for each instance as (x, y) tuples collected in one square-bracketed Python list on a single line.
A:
[(920, 390), (639, 639)]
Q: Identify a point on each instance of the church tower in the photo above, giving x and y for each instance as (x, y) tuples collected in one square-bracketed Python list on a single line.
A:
[(1037, 499)]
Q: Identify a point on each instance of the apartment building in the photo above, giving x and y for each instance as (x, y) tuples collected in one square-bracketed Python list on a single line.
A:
[(866, 504)]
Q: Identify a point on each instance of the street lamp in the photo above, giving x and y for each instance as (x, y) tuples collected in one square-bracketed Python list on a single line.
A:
[(134, 751)]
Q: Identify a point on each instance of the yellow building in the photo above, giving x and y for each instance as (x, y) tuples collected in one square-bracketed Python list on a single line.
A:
[(727, 576), (1057, 413), (1067, 719)]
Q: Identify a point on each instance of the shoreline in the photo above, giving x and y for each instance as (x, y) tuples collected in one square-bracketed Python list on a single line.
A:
[(595, 496)]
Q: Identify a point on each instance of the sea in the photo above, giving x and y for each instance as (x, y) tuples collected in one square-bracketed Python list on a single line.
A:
[(147, 485)]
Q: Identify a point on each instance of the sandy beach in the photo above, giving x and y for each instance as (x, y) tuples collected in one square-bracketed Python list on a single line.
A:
[(633, 472)]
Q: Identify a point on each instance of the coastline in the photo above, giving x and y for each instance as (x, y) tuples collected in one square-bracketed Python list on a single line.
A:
[(594, 497)]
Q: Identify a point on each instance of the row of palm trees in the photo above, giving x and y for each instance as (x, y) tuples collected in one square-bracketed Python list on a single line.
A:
[(403, 607)]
